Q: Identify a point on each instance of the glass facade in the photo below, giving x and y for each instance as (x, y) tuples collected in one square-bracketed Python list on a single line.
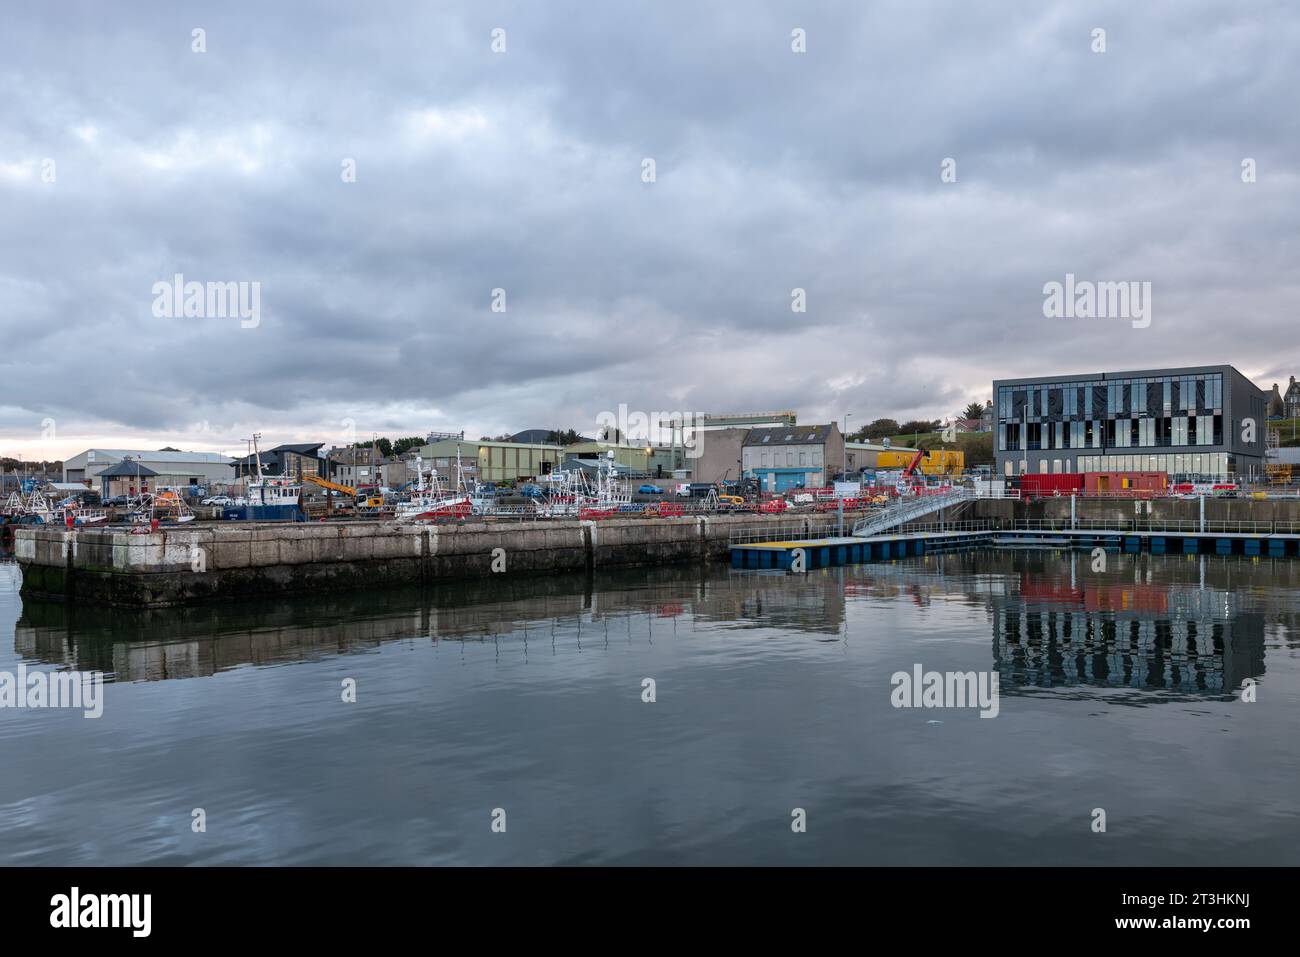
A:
[(1154, 423)]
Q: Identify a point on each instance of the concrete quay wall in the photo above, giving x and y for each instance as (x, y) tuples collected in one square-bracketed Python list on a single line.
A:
[(176, 565)]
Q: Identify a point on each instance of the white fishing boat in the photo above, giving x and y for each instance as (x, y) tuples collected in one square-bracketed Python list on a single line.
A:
[(72, 508), (564, 493), (270, 490), (167, 505), (432, 500), (38, 507)]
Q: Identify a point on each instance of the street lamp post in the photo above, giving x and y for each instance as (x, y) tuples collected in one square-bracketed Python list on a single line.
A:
[(845, 470)]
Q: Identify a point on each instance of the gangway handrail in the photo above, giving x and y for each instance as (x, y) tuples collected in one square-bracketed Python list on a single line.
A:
[(907, 510)]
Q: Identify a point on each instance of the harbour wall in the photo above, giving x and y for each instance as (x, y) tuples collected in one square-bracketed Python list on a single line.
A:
[(173, 566)]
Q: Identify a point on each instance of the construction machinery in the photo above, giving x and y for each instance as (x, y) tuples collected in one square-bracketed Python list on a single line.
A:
[(366, 499), (347, 490)]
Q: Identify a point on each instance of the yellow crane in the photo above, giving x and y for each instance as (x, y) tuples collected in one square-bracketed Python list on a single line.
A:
[(332, 486), (373, 502)]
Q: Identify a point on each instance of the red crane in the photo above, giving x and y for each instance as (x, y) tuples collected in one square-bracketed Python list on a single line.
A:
[(914, 464)]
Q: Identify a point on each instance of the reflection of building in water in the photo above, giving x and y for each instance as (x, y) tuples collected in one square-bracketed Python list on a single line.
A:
[(153, 644), (749, 599), (1109, 630)]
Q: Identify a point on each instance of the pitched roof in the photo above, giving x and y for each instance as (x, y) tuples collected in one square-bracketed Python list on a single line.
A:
[(127, 469), (789, 435)]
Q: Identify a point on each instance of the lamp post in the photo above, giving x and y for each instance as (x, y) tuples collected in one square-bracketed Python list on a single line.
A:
[(845, 470)]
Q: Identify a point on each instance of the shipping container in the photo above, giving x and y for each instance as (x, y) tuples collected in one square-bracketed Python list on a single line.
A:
[(1124, 483), (1050, 484)]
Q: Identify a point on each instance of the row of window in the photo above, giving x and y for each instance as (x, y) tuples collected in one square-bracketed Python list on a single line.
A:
[(1112, 398), (1111, 433), (1184, 465), (776, 459)]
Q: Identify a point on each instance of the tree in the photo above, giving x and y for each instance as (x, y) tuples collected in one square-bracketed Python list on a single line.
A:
[(916, 426), (973, 411), (404, 445), (563, 437), (384, 446), (611, 433), (879, 429)]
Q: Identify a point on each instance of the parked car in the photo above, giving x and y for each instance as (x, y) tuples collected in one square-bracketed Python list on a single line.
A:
[(117, 501), (222, 500), (650, 490)]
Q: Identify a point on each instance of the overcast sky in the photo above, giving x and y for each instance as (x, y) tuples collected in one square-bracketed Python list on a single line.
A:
[(523, 170)]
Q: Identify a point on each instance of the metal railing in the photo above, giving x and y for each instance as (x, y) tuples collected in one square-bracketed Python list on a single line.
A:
[(908, 509), (785, 532), (1157, 525)]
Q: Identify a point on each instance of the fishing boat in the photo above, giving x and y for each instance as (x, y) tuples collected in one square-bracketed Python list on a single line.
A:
[(167, 506), (40, 508), (433, 501), (268, 497), (72, 508), (564, 493)]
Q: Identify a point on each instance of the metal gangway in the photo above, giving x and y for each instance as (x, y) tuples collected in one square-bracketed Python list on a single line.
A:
[(909, 509)]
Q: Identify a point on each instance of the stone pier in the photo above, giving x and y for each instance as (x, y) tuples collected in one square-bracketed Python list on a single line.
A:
[(186, 563)]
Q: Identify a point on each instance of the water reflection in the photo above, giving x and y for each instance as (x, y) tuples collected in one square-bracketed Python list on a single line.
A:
[(202, 640), (774, 692), (1194, 629), (1192, 625)]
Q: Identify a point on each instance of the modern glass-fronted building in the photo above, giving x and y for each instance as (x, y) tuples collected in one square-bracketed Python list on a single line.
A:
[(1201, 423)]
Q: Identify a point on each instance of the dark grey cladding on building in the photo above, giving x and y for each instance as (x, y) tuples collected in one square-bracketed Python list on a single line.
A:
[(1191, 421)]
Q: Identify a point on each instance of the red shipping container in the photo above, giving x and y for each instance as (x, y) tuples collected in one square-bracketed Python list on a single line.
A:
[(1050, 484)]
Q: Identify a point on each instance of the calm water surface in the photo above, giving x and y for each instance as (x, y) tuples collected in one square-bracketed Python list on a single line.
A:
[(773, 692)]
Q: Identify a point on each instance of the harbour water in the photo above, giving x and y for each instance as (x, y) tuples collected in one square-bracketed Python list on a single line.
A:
[(1120, 689)]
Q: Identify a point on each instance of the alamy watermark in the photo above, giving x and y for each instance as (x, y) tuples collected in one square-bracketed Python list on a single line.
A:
[(53, 689), (128, 911), (946, 689), (211, 300), (1085, 299), (621, 426)]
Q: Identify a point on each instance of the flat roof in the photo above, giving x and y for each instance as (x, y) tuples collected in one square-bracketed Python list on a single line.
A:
[(1127, 374)]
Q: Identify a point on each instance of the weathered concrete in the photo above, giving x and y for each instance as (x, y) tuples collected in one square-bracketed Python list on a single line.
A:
[(225, 560), (176, 565)]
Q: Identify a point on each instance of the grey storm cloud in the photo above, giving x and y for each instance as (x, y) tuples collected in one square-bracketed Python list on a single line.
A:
[(522, 170)]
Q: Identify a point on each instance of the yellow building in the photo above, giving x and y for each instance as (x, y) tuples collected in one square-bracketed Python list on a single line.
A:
[(935, 462)]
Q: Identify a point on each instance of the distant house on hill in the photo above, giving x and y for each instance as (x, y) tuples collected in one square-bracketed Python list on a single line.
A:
[(1292, 399)]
